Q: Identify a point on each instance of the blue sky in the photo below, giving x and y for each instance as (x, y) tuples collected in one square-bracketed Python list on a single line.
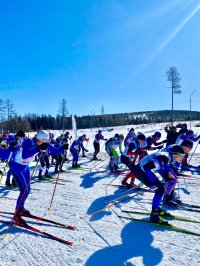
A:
[(113, 53)]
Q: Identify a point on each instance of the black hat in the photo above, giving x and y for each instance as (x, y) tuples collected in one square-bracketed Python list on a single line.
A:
[(141, 136), (187, 143), (177, 149), (20, 133)]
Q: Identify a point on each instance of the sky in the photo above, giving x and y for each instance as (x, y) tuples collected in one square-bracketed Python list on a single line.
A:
[(94, 53)]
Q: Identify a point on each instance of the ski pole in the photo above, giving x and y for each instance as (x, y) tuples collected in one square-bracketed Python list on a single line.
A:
[(49, 209), (193, 152)]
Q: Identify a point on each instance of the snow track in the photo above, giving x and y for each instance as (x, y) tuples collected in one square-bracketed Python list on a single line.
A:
[(102, 239)]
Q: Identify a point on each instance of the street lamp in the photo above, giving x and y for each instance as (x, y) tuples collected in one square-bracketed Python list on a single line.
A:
[(91, 119), (191, 105)]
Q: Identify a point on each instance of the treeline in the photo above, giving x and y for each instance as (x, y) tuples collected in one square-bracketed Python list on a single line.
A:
[(34, 122)]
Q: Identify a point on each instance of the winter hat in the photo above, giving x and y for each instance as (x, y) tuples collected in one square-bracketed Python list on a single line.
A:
[(20, 133), (42, 135), (187, 143), (141, 136), (177, 149)]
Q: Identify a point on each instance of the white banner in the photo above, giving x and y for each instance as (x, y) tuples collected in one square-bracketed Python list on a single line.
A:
[(74, 127)]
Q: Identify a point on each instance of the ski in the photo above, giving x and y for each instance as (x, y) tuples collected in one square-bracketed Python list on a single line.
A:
[(79, 168), (40, 232), (136, 188), (167, 217), (164, 225), (39, 218), (185, 206), (189, 205)]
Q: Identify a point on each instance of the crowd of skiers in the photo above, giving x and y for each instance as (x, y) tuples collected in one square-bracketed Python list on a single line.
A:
[(136, 151)]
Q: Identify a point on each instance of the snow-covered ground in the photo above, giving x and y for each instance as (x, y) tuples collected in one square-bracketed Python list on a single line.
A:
[(103, 239)]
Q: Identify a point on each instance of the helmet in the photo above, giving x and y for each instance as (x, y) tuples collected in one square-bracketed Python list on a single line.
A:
[(141, 136), (99, 131), (121, 137), (67, 132), (117, 135), (42, 135), (189, 133), (157, 134), (177, 149), (187, 143)]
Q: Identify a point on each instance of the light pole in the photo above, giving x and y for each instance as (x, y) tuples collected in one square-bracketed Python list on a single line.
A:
[(191, 105), (91, 119)]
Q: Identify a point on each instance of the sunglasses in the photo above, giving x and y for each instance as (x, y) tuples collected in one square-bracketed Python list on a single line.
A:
[(180, 154)]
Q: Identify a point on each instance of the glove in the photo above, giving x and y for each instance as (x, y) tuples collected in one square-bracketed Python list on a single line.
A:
[(199, 142), (112, 153), (105, 139), (159, 147), (164, 141), (13, 143), (13, 146), (65, 146), (86, 150), (43, 146)]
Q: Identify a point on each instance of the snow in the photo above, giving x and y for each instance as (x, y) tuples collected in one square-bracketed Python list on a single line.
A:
[(102, 239)]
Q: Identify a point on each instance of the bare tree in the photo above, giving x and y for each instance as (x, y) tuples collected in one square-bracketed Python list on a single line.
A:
[(2, 113), (174, 78), (63, 112), (9, 111), (102, 110)]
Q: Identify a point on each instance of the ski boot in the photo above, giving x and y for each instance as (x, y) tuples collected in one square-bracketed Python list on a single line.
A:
[(168, 201), (47, 174), (14, 184), (19, 220), (25, 212), (8, 184), (155, 218), (162, 212)]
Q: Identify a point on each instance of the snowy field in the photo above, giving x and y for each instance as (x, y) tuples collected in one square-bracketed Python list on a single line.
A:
[(103, 239)]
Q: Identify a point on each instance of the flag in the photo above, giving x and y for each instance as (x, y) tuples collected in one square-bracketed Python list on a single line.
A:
[(74, 127)]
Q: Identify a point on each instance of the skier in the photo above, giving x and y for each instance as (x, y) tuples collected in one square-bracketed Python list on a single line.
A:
[(96, 143), (82, 139), (111, 148), (130, 136), (19, 164), (186, 145), (66, 141), (59, 158), (18, 138), (188, 135), (129, 157), (145, 172), (172, 135), (183, 129), (147, 145), (44, 164), (76, 146)]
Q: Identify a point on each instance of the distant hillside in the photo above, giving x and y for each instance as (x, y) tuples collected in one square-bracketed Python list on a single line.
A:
[(135, 118), (34, 122)]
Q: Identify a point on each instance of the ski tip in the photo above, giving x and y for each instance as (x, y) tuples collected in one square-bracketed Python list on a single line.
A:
[(74, 228), (69, 243)]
